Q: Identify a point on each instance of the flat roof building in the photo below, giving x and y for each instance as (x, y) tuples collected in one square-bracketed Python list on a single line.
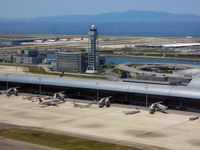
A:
[(71, 61), (28, 52), (28, 56)]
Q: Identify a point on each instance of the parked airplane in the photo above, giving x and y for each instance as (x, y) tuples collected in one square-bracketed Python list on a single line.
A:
[(51, 102), (157, 107), (64, 40), (59, 96), (10, 91), (38, 41), (104, 102), (29, 97), (82, 105), (130, 112), (51, 40), (79, 39), (67, 39)]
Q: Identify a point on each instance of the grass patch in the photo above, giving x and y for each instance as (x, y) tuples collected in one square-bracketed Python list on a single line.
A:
[(117, 71), (40, 70), (156, 51), (59, 141), (149, 52), (106, 52), (37, 69)]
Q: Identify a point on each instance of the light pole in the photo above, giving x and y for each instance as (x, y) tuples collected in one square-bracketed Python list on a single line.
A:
[(97, 91), (7, 82), (40, 86), (146, 98)]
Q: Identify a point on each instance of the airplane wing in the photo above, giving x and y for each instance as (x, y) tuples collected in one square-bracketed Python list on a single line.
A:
[(2, 92), (157, 103), (17, 87)]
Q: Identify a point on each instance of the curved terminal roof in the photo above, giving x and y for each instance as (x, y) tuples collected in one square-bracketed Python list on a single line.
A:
[(142, 88), (188, 72), (172, 45), (181, 44), (195, 83)]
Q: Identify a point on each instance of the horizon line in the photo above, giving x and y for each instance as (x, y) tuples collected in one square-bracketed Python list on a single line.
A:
[(9, 18)]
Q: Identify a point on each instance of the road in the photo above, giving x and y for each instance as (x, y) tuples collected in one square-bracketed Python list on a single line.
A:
[(8, 144)]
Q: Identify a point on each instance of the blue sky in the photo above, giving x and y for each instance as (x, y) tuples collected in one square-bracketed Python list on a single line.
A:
[(39, 8)]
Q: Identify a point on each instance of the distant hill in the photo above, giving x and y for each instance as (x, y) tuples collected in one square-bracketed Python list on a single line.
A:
[(141, 23), (128, 16)]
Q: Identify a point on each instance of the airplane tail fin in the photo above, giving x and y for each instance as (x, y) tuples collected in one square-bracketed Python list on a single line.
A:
[(40, 100)]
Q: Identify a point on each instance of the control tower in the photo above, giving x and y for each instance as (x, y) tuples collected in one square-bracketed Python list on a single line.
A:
[(93, 59)]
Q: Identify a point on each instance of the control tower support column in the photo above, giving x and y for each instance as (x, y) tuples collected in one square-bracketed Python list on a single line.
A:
[(93, 59)]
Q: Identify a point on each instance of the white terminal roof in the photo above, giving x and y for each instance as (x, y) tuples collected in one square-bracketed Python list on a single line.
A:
[(141, 88), (174, 45), (187, 72), (180, 44), (195, 83)]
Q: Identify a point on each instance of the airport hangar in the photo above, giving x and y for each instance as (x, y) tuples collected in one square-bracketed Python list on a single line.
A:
[(175, 97)]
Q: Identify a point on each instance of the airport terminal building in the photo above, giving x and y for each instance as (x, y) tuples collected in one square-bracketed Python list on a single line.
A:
[(140, 94), (173, 46)]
